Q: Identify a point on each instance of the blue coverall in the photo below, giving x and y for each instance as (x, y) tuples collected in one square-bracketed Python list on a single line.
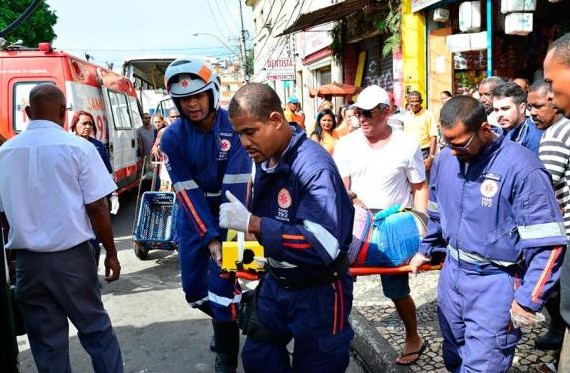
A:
[(202, 166), (527, 134), (306, 226), (499, 222)]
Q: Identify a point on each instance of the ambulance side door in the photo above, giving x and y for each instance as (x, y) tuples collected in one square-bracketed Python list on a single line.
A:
[(122, 137)]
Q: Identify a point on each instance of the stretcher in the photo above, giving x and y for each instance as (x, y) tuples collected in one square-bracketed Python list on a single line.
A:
[(245, 260)]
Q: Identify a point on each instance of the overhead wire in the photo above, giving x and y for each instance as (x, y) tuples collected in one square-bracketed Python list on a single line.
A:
[(266, 19), (230, 12), (281, 37), (214, 17), (223, 18)]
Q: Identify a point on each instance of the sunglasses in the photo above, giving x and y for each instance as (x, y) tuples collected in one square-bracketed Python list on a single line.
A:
[(461, 148), (364, 113)]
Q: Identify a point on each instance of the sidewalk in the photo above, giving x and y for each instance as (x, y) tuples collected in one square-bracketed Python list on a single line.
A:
[(380, 333)]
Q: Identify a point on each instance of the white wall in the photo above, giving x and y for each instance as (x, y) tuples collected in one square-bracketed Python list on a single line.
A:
[(271, 17)]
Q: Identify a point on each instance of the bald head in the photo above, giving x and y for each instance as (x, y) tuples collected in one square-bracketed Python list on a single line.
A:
[(559, 50), (257, 99), (47, 102)]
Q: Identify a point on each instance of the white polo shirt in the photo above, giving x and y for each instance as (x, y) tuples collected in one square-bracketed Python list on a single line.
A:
[(47, 176), (381, 177)]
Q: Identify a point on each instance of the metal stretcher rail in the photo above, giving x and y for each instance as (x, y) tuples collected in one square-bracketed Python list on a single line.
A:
[(355, 271)]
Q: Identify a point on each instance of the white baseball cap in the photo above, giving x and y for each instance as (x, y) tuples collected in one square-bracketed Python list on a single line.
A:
[(372, 96)]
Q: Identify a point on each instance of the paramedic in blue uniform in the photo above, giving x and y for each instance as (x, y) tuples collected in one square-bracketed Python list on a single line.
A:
[(302, 215), (493, 211), (204, 159)]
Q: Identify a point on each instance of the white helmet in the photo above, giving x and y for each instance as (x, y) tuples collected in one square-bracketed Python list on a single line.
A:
[(187, 76)]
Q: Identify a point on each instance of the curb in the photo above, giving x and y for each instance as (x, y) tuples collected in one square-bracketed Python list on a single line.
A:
[(373, 349)]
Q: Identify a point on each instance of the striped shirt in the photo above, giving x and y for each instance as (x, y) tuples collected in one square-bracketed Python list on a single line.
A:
[(554, 153)]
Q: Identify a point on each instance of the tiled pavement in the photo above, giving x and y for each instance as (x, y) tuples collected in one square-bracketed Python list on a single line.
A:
[(380, 346)]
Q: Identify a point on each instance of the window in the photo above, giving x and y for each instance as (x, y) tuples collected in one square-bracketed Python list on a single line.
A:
[(21, 100), (120, 110)]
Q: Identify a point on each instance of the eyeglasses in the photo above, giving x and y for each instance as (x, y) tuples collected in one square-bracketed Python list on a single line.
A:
[(90, 124), (461, 148)]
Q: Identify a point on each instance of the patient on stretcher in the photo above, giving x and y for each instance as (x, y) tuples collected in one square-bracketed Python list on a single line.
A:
[(389, 238)]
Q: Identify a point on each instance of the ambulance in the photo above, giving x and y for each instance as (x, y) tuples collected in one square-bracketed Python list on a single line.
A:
[(108, 96)]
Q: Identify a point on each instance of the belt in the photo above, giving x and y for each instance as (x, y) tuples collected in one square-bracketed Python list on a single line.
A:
[(333, 272), (472, 258)]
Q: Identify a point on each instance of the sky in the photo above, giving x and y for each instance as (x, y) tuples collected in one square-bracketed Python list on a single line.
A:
[(113, 30)]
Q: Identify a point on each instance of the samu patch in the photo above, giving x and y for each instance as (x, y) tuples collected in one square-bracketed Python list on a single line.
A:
[(489, 188), (284, 201), (225, 146)]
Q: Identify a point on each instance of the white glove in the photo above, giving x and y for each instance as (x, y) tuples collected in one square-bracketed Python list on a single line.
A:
[(234, 215), (114, 204), (523, 318)]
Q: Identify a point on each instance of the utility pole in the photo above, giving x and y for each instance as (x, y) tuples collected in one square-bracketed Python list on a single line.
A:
[(243, 50)]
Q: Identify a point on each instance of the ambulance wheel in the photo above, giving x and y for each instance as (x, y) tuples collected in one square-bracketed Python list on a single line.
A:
[(141, 253)]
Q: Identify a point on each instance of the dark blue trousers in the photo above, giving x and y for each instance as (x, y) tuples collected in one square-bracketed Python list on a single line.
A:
[(52, 287), (200, 275), (474, 303), (315, 317)]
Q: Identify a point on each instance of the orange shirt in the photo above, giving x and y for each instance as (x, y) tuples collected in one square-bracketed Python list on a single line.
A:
[(291, 116)]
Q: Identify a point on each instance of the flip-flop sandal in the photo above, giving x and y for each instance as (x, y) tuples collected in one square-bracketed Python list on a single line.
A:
[(418, 352)]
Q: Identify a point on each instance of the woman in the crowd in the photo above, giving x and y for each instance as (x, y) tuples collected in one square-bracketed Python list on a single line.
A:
[(325, 130), (159, 124), (83, 125), (444, 96), (344, 126)]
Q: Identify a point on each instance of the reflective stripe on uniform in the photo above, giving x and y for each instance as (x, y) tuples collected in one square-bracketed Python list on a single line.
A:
[(279, 264), (544, 230), (432, 206), (327, 240), (223, 300), (185, 185), (216, 194), (198, 302), (236, 178)]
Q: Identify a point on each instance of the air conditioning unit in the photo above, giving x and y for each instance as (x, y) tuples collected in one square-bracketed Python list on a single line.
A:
[(509, 6), (470, 16), (441, 15), (518, 23)]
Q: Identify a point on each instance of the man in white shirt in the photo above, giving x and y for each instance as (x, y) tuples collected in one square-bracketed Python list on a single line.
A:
[(52, 190), (384, 167)]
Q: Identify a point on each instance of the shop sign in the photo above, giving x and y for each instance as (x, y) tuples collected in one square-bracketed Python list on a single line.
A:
[(314, 39), (280, 69)]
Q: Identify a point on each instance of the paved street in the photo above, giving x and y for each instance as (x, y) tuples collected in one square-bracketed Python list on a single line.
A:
[(379, 313), (157, 330)]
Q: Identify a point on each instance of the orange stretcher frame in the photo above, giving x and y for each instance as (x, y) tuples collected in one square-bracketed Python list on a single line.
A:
[(355, 271)]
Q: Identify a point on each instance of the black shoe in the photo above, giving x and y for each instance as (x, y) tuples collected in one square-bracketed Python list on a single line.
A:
[(552, 340), (213, 344), (226, 363)]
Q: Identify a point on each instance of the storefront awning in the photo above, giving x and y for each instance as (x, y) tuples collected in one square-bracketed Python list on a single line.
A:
[(328, 14)]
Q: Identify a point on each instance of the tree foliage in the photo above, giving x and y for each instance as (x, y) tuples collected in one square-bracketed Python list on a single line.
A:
[(36, 29)]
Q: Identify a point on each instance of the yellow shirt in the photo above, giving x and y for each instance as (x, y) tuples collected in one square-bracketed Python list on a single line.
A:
[(329, 141), (422, 125)]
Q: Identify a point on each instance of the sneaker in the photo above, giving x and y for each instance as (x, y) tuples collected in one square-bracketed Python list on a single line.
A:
[(226, 363)]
